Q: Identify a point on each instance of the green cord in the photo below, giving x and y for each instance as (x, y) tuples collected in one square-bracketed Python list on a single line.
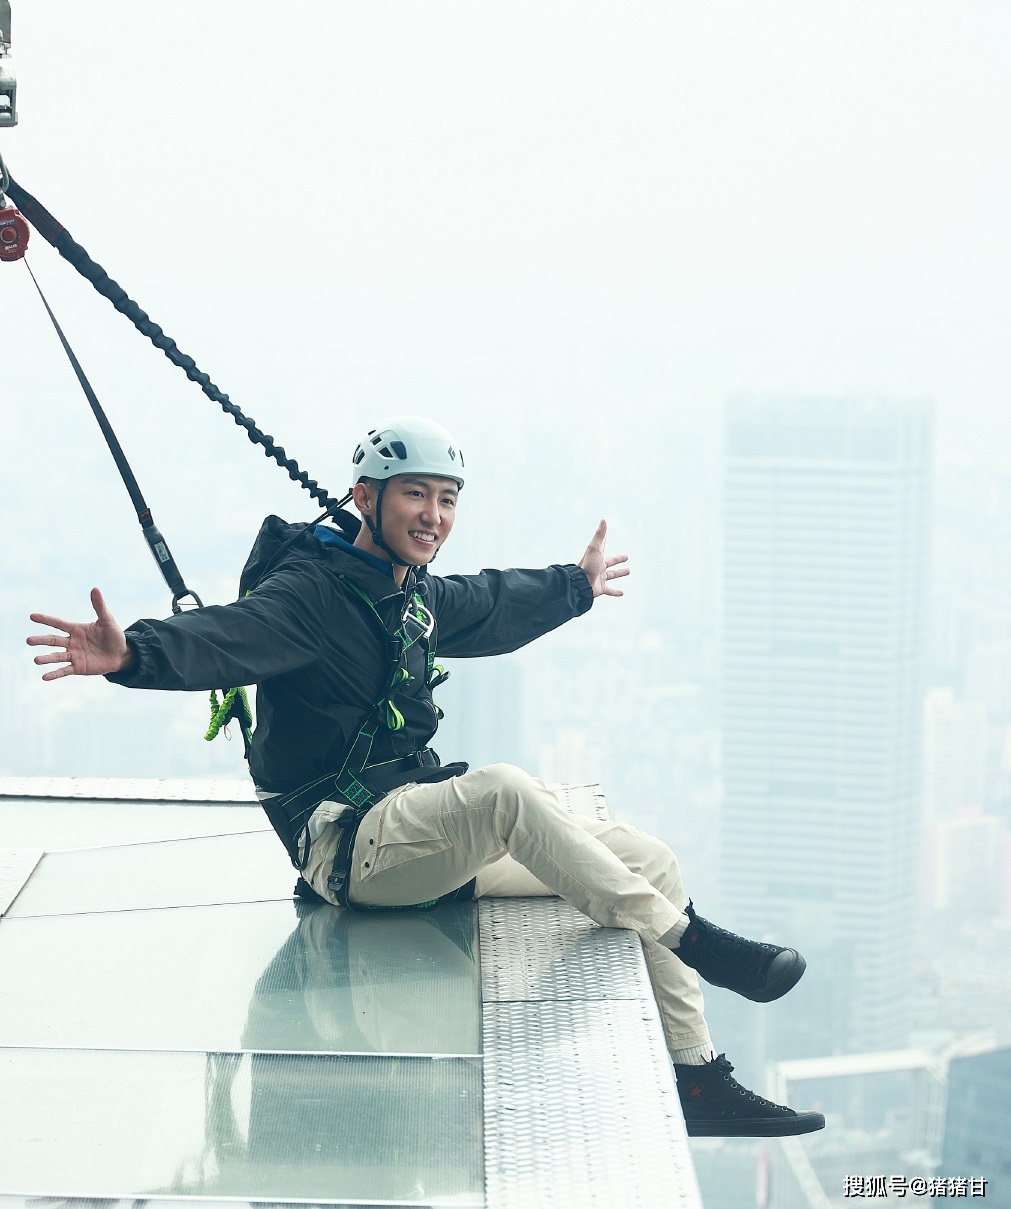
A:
[(222, 712)]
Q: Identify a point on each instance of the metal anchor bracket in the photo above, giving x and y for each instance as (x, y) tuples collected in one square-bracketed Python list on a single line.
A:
[(8, 77)]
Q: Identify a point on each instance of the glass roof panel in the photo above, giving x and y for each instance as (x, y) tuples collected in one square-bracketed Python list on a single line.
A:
[(54, 823), (218, 869), (270, 976), (197, 1202), (108, 1124)]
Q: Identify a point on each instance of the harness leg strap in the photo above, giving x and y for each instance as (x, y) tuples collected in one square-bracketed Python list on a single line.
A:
[(339, 881)]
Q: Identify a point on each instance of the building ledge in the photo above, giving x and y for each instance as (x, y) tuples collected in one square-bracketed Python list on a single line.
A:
[(177, 1028)]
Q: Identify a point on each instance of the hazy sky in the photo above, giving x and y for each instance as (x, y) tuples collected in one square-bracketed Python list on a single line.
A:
[(516, 217), (784, 195)]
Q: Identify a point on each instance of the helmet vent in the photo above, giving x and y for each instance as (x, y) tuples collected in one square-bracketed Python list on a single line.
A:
[(359, 456), (400, 449)]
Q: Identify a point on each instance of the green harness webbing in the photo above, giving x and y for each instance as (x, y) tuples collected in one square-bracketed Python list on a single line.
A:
[(289, 813)]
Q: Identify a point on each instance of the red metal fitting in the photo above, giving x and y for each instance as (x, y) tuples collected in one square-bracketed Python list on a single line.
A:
[(14, 232)]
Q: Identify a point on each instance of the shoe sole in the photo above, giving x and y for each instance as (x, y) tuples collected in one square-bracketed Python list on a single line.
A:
[(761, 1127), (786, 981)]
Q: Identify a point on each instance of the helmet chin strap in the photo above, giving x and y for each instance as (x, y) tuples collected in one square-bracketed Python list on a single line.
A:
[(376, 529)]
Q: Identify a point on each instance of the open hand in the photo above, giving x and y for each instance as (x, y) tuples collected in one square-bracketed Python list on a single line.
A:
[(90, 648), (601, 569)]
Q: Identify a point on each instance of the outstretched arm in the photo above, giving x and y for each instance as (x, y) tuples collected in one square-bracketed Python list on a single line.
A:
[(87, 648), (601, 569), (500, 611)]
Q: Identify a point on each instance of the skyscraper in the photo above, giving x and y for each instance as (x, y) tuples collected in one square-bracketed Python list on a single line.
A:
[(977, 1123), (826, 527)]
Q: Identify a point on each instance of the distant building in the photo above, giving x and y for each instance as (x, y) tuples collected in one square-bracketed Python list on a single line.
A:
[(483, 705), (825, 556), (968, 864), (954, 754), (978, 1123), (963, 845)]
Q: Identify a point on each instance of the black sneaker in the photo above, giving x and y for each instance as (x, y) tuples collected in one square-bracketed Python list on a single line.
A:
[(757, 971), (715, 1105)]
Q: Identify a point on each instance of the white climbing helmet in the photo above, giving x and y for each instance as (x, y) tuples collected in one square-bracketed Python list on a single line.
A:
[(407, 445)]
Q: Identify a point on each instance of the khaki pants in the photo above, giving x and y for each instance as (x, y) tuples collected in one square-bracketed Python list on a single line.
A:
[(508, 830)]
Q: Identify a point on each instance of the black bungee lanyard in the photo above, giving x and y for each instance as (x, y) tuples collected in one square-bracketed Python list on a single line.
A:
[(159, 547)]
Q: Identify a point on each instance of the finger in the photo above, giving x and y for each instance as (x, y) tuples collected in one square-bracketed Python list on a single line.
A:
[(612, 559), (46, 619), (613, 592), (597, 541), (99, 605), (60, 640), (619, 573), (52, 657), (58, 672)]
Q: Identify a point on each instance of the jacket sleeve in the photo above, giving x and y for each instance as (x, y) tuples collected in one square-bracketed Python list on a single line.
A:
[(276, 629), (499, 611)]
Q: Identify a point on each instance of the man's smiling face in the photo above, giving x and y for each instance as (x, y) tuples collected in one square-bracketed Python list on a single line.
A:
[(418, 512)]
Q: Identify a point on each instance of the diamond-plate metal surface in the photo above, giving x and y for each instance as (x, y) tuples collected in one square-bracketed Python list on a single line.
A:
[(545, 949), (581, 1109), (126, 789), (16, 865)]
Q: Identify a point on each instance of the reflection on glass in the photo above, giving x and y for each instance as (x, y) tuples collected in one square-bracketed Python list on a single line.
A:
[(391, 983), (218, 869), (241, 976), (277, 1126)]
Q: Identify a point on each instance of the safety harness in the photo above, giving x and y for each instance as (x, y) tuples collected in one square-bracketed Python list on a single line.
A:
[(358, 784)]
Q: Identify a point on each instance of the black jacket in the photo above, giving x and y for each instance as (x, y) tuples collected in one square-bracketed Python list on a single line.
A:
[(315, 652)]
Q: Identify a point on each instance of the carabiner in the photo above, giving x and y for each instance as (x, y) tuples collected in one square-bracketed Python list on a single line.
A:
[(179, 597)]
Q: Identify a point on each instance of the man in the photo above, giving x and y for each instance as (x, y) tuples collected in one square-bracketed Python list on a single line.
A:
[(338, 628)]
